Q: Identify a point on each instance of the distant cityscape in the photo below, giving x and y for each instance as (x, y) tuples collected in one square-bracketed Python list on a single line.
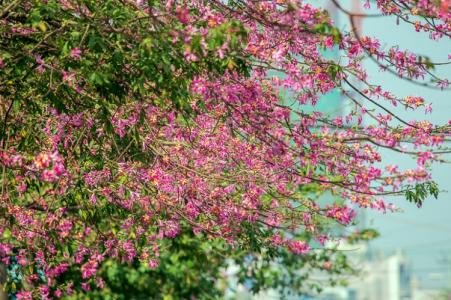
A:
[(381, 278)]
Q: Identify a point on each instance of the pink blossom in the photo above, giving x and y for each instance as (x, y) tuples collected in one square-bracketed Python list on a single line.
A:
[(182, 14), (89, 269), (86, 286), (24, 295), (299, 247), (424, 157), (58, 293), (153, 263), (329, 42), (100, 283), (75, 53)]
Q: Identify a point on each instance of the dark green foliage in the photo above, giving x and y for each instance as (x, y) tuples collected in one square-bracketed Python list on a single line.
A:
[(417, 194)]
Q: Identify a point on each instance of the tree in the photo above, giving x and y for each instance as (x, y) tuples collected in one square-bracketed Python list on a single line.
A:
[(193, 267), (124, 121)]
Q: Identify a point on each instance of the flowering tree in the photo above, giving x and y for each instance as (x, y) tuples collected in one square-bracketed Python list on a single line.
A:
[(123, 121)]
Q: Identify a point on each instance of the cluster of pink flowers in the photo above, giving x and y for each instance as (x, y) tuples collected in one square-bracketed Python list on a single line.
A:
[(299, 247), (51, 166)]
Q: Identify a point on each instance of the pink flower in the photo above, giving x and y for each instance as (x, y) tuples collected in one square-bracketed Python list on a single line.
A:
[(344, 215), (423, 157), (21, 260), (4, 248), (59, 169), (299, 247), (354, 50), (153, 263), (42, 160), (86, 286), (129, 251), (65, 227), (60, 269), (48, 176), (75, 53), (89, 269), (169, 5), (23, 295), (329, 42), (100, 283), (41, 64), (190, 56), (182, 14), (21, 188), (44, 291), (69, 288), (322, 239)]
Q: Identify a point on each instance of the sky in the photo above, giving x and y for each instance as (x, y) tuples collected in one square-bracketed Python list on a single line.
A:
[(423, 234)]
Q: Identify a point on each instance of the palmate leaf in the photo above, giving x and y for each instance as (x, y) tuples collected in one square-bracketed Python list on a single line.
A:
[(418, 194)]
